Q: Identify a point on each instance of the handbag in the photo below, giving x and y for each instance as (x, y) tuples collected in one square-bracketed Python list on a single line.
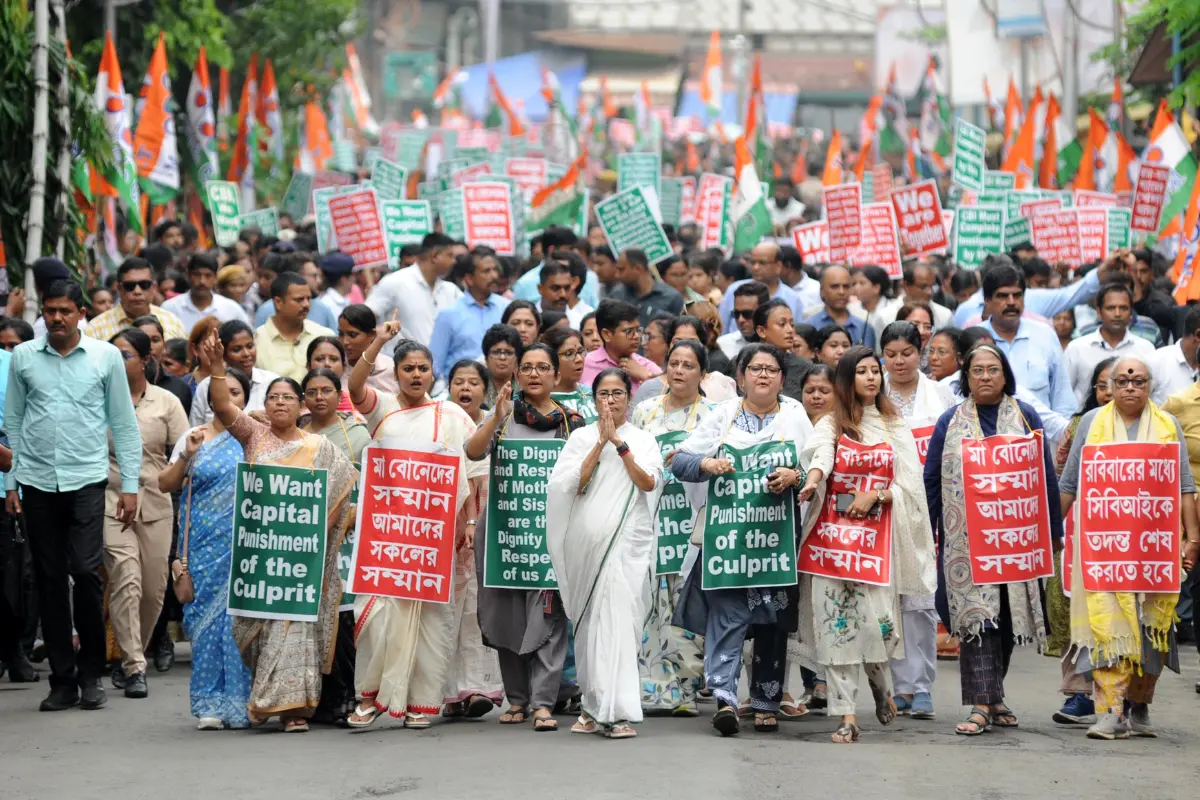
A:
[(185, 592)]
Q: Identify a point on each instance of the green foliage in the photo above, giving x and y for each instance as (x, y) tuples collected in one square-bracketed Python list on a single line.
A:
[(16, 120), (1181, 17)]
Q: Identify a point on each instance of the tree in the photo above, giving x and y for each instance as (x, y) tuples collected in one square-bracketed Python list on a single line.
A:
[(1181, 17)]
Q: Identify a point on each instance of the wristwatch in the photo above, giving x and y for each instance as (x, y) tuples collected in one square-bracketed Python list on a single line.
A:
[(622, 449)]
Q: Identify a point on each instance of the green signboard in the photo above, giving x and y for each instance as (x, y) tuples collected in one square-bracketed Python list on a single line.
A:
[(516, 556)]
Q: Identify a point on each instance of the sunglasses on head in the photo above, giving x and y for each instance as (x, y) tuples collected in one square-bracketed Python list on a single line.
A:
[(129, 286)]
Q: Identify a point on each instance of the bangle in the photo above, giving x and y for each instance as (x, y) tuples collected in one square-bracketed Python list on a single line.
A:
[(472, 521), (622, 449), (369, 361)]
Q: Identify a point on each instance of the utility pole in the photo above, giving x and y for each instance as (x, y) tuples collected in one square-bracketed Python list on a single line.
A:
[(490, 11), (1070, 70)]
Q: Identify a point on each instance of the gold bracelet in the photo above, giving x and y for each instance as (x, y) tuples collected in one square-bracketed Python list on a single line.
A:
[(364, 358)]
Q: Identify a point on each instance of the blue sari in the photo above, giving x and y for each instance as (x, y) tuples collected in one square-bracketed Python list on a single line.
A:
[(220, 683)]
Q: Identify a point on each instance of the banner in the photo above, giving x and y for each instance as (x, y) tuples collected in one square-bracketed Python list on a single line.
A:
[(404, 222), (279, 531), (515, 555), (297, 197), (406, 524), (629, 219), (673, 522), (1148, 197), (880, 244), (812, 240), (1056, 236), (1119, 220), (919, 213), (1128, 517), (749, 531), (970, 144), (1093, 233), (639, 169), (1008, 514), (843, 212), (488, 210), (713, 198), (265, 219), (848, 549), (390, 180), (978, 232), (359, 231), (225, 207), (1085, 198)]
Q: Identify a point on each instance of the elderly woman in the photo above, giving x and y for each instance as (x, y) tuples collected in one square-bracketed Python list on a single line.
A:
[(1126, 638), (988, 619)]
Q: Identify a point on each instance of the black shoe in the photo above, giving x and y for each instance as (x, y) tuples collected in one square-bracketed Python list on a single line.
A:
[(21, 671), (92, 694), (60, 699), (164, 654), (118, 676), (135, 686)]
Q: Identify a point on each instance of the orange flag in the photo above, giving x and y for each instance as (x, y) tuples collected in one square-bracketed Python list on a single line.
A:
[(515, 127), (241, 147), (799, 169), (864, 155), (1020, 157), (1012, 115), (1085, 178), (1185, 259), (693, 158), (606, 101), (833, 161), (151, 133), (1125, 158), (224, 110), (1048, 170)]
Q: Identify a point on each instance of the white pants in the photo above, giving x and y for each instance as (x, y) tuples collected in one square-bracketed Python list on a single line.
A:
[(914, 674)]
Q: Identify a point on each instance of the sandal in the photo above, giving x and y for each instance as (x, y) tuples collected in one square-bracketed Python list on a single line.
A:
[(585, 724), (453, 710), (885, 707), (1003, 717), (726, 721), (478, 706), (979, 727), (544, 724), (745, 709), (846, 733), (417, 722), (621, 730), (792, 709), (514, 716), (766, 722), (295, 725), (364, 715)]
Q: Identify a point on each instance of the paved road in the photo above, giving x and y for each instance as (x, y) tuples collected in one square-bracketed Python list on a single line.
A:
[(150, 749)]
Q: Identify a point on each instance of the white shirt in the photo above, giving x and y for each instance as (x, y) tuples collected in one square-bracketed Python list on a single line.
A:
[(39, 326), (335, 300), (731, 344), (1172, 374), (260, 379), (942, 316), (418, 303), (575, 315), (809, 291), (1083, 354), (781, 216), (221, 307)]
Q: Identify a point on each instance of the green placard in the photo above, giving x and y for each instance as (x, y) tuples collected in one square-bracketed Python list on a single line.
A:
[(1118, 227), (515, 556), (453, 214), (1016, 198), (371, 157), (1017, 231), (970, 144), (226, 211), (265, 219), (390, 180), (472, 155), (295, 199), (996, 198), (1068, 198), (326, 240), (639, 169), (580, 401), (749, 531), (673, 522), (410, 148), (345, 158), (404, 222), (279, 517), (628, 220), (346, 558), (670, 201), (978, 231), (998, 181), (868, 187)]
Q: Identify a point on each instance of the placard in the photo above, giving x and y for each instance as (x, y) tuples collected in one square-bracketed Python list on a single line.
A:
[(673, 520), (265, 219), (450, 211), (639, 169), (225, 207), (998, 181), (1015, 199), (1056, 236), (880, 245), (1085, 198), (749, 531), (469, 174), (670, 202), (922, 437), (515, 555), (1093, 233), (840, 547), (812, 240), (279, 533), (298, 196), (390, 180), (531, 174), (970, 144), (1119, 220), (1148, 197), (843, 212), (489, 217), (919, 215), (358, 228), (1033, 208), (881, 182), (410, 148), (408, 502), (978, 233), (1127, 512), (1017, 231), (326, 238), (1008, 517), (628, 220), (687, 200), (404, 222), (713, 197)]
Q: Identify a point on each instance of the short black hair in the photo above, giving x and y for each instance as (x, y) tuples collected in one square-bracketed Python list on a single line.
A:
[(502, 334), (762, 314), (232, 328), (1109, 287), (809, 334), (283, 281), (971, 337), (550, 318), (900, 331), (751, 350), (734, 270), (68, 289), (603, 250), (176, 349), (612, 372), (320, 372), (130, 264), (755, 289), (1035, 268), (136, 338), (320, 340), (1000, 276), (24, 329), (161, 228), (557, 337), (517, 305), (469, 363), (541, 347), (359, 316), (198, 261), (790, 258), (550, 269), (612, 313), (878, 276), (636, 256), (687, 319), (964, 279), (1191, 322), (436, 241), (149, 319)]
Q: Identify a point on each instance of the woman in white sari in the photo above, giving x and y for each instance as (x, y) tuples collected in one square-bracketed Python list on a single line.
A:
[(845, 623), (600, 535), (920, 401)]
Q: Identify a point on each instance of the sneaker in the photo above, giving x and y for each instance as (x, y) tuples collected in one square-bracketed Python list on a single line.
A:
[(1078, 710), (20, 670), (135, 686), (210, 724), (1109, 726), (922, 706), (1139, 721), (60, 699), (91, 694), (118, 676)]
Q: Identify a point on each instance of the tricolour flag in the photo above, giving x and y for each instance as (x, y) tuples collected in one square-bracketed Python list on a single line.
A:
[(711, 88), (995, 111), (1186, 271), (1020, 157), (833, 174), (756, 124), (1116, 106), (751, 218), (935, 113), (1169, 147), (154, 145), (360, 98), (269, 117), (1057, 137), (893, 137), (316, 148), (224, 110), (120, 179), (201, 128), (502, 113), (559, 135), (1012, 116), (560, 202), (245, 147)]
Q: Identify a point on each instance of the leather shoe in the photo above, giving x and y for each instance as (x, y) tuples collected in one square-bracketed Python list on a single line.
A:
[(164, 654), (21, 671), (118, 676), (91, 694), (135, 686), (60, 699)]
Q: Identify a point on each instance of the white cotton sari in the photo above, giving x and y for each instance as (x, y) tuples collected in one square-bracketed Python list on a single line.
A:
[(601, 544)]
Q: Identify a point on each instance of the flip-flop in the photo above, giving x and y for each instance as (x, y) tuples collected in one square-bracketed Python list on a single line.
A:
[(545, 724), (295, 726), (478, 706), (726, 721), (516, 716), (846, 729), (792, 709), (585, 724), (452, 711), (418, 722), (621, 730), (367, 716), (763, 720)]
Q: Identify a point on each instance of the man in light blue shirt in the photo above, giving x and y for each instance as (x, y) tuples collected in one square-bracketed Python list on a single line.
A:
[(65, 393), (458, 330), (1043, 302), (835, 299), (1032, 347), (766, 267), (554, 239)]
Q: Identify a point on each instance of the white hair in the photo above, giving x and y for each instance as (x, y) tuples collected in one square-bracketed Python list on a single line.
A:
[(1112, 373)]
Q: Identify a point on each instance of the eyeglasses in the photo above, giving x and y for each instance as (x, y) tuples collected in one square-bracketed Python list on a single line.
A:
[(610, 394), (571, 355), (129, 286), (741, 312), (991, 372), (541, 369), (319, 391), (502, 353), (1138, 383), (631, 332), (282, 398), (759, 369)]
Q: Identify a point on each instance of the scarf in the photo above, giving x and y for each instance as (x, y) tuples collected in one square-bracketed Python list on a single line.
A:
[(524, 413), (1108, 622), (971, 604)]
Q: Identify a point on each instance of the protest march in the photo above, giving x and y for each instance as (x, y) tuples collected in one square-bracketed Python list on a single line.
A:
[(553, 398)]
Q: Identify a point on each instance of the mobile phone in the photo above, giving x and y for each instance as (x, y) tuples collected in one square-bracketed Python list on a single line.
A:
[(844, 501)]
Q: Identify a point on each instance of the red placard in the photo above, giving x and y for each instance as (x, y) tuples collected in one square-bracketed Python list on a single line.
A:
[(1068, 553), (406, 517), (389, 139), (489, 216), (1056, 236), (468, 174), (1128, 517), (687, 199), (812, 240), (1093, 233), (922, 436), (843, 212), (710, 210), (879, 244), (1085, 198), (1032, 208), (1008, 515), (881, 187), (919, 215), (853, 549), (325, 178), (358, 229), (1148, 197), (529, 173)]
